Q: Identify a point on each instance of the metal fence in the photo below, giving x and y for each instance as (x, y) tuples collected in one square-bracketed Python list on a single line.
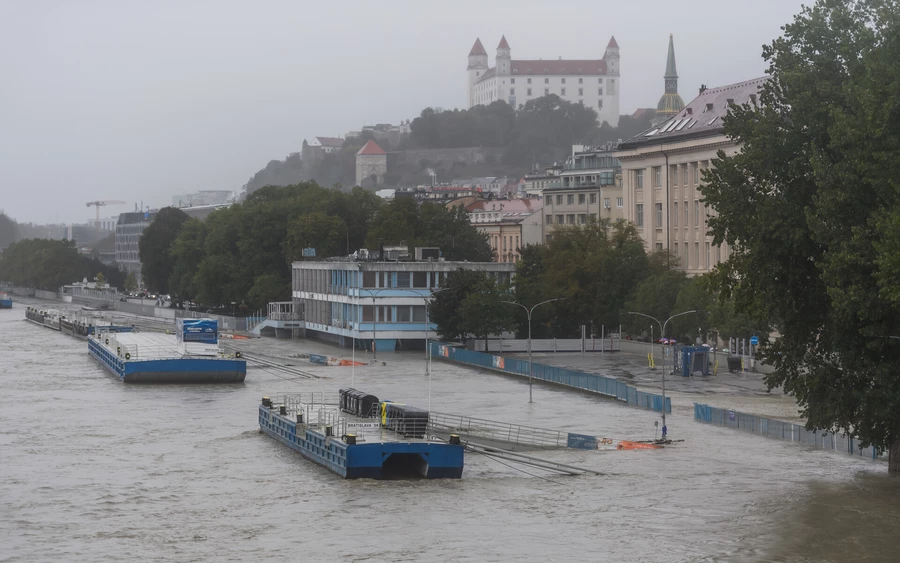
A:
[(552, 374), (782, 430)]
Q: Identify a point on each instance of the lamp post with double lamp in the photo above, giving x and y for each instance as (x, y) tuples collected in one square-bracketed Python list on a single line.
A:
[(528, 312), (427, 299), (662, 334), (374, 293)]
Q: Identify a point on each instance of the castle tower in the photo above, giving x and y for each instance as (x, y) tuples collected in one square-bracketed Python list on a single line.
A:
[(504, 59), (611, 56), (670, 103), (478, 64)]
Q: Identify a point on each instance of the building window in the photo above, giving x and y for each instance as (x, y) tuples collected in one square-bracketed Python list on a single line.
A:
[(418, 313), (619, 203), (581, 81), (570, 219), (582, 218), (696, 254), (599, 91), (420, 279), (512, 91), (402, 279), (528, 91), (606, 203), (658, 246), (563, 81), (639, 215), (529, 81), (367, 312), (687, 257), (563, 91), (659, 215), (696, 213), (403, 313), (600, 104), (546, 81), (687, 211), (675, 215), (559, 219), (708, 265), (695, 173), (581, 199), (638, 179), (570, 199), (549, 219), (512, 80), (674, 172), (581, 91), (593, 199), (546, 91), (657, 176), (559, 199), (611, 86)]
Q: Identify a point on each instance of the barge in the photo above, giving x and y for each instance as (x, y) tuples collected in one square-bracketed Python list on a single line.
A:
[(5, 301), (48, 318), (358, 436), (192, 355)]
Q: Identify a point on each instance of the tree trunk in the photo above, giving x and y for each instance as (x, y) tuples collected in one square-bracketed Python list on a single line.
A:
[(894, 457)]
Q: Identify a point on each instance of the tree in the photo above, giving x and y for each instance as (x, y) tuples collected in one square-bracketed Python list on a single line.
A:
[(186, 253), (327, 234), (656, 296), (817, 174), (155, 248), (100, 279), (130, 283), (446, 306), (9, 231), (483, 313), (547, 127)]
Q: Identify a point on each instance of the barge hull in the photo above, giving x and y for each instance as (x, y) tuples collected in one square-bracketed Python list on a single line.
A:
[(193, 370)]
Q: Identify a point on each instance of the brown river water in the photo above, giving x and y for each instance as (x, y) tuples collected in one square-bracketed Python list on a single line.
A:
[(92, 469)]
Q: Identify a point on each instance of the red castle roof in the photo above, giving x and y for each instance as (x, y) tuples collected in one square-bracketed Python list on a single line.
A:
[(612, 43), (371, 148), (503, 44), (477, 48)]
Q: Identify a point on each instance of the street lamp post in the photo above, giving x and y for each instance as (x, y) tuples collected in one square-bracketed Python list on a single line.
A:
[(528, 312), (427, 347), (662, 334), (374, 293)]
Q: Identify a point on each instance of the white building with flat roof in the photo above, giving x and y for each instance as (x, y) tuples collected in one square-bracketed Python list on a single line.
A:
[(373, 303)]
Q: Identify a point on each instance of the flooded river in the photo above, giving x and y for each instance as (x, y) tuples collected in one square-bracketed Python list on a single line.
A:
[(92, 469)]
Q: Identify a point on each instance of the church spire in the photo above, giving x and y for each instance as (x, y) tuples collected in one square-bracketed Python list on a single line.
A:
[(670, 61)]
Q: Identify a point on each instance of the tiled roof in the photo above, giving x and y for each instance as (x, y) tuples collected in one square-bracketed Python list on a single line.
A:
[(565, 67), (371, 148), (489, 73), (330, 141), (509, 206), (503, 44), (612, 43), (477, 48), (703, 116)]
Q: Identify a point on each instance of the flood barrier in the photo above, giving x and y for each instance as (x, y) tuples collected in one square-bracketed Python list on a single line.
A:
[(782, 430), (561, 376)]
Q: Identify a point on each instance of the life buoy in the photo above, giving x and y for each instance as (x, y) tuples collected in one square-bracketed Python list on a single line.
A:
[(127, 355)]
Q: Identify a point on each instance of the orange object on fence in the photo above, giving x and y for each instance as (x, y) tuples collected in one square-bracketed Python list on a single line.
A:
[(626, 445)]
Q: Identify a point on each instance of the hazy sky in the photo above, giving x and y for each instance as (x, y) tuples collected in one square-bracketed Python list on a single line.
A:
[(138, 101)]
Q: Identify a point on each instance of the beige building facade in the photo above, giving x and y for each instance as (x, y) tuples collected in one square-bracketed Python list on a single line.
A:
[(508, 224), (662, 171)]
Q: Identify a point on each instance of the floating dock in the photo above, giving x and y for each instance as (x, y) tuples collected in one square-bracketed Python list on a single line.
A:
[(192, 355), (48, 318), (5, 301), (357, 436)]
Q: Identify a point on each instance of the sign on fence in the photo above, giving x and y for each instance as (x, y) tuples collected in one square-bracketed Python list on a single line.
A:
[(499, 362), (582, 442)]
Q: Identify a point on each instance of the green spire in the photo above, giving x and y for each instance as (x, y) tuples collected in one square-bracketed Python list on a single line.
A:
[(670, 61)]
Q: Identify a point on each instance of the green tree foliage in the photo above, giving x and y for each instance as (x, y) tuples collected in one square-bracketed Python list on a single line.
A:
[(187, 252), (655, 295), (811, 209), (480, 126), (49, 264), (9, 231), (100, 278), (327, 234), (483, 312), (155, 248), (429, 224), (595, 268), (448, 307), (547, 127), (131, 283)]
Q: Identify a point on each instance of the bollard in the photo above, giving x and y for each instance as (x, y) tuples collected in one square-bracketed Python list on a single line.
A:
[(267, 402), (454, 439), (282, 409), (329, 431), (350, 439), (299, 418)]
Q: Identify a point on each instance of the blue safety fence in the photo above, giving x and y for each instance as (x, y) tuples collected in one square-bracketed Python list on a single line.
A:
[(784, 431), (551, 374)]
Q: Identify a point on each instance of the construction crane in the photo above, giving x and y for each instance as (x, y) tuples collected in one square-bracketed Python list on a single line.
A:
[(98, 204)]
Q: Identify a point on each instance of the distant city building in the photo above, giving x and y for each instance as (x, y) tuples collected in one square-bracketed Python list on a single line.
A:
[(107, 224), (586, 190), (591, 82), (203, 197), (535, 182), (662, 170), (371, 165), (508, 224), (366, 301), (129, 229), (670, 103)]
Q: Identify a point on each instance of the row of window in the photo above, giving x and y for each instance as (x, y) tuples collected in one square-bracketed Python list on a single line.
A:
[(688, 172), (569, 219), (582, 198), (612, 82), (639, 214)]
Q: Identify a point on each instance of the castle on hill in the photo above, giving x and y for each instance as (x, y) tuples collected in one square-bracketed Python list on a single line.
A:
[(592, 82)]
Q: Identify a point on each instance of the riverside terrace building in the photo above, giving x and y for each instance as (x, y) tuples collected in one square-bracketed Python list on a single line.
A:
[(375, 302), (663, 169), (588, 189)]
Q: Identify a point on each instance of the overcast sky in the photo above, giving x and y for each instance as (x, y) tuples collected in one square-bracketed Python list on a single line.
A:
[(137, 101)]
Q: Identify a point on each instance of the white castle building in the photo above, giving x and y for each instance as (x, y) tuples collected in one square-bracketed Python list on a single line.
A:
[(592, 82)]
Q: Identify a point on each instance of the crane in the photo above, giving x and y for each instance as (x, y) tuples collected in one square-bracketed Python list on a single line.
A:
[(98, 204)]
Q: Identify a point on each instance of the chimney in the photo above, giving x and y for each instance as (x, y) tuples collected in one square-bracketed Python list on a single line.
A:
[(702, 89)]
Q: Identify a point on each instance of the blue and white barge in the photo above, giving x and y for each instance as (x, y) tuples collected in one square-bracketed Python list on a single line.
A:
[(191, 355), (356, 436)]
